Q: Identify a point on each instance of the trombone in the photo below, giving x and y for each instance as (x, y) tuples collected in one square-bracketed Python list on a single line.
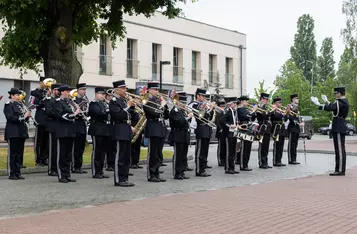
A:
[(259, 110), (144, 100), (285, 109)]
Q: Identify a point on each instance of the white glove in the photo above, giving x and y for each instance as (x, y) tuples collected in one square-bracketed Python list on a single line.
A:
[(315, 101), (324, 98)]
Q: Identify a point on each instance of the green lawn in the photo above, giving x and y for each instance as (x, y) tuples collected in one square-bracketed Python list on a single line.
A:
[(29, 158)]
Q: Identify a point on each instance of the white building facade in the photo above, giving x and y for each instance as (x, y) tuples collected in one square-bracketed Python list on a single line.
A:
[(198, 54)]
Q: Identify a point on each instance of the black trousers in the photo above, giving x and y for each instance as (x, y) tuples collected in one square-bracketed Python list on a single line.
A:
[(340, 151), (52, 157), (64, 157), (231, 153), (122, 161), (155, 147), (278, 149), (15, 156), (179, 159), (41, 144), (292, 147), (246, 148), (264, 150), (110, 153), (79, 146), (98, 154), (221, 151), (135, 151), (201, 154)]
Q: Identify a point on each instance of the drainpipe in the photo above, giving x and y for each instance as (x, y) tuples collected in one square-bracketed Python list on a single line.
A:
[(241, 68)]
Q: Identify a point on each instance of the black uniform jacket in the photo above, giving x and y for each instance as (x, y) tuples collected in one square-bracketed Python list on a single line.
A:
[(294, 121), (265, 118), (217, 123), (65, 115), (99, 118), (155, 125), (277, 118), (229, 118), (81, 126), (51, 117), (37, 97), (15, 121), (180, 126), (245, 116), (120, 116), (202, 130), (340, 110)]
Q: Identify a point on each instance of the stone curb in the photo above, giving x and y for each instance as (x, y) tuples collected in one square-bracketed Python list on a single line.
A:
[(33, 170), (315, 151)]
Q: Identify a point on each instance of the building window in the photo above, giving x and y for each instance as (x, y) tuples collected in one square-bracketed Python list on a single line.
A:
[(131, 63), (177, 66), (210, 68), (176, 57), (229, 73), (154, 60), (103, 54)]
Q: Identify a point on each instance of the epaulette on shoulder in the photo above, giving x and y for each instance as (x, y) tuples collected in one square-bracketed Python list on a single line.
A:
[(57, 99), (8, 102), (48, 98), (114, 98)]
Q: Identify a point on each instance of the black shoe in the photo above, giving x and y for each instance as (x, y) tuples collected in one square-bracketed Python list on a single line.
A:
[(105, 176), (161, 172), (77, 171), (161, 179), (246, 169), (229, 172), (70, 179), (178, 177), (336, 173), (203, 174), (209, 167), (63, 180), (134, 167), (236, 172), (20, 177), (294, 163), (277, 164), (163, 165), (110, 169), (188, 169), (185, 177), (154, 179), (138, 166), (130, 174), (97, 177), (52, 173), (23, 166), (264, 167), (269, 166), (124, 184), (13, 178)]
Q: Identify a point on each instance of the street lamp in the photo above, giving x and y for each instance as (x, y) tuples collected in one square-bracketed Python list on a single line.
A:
[(162, 63), (312, 72)]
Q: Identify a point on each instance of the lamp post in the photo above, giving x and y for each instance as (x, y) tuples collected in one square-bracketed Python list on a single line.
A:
[(312, 73), (162, 63)]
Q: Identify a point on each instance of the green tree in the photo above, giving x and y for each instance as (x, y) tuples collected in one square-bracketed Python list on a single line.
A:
[(217, 89), (44, 32), (261, 89), (326, 62), (303, 52)]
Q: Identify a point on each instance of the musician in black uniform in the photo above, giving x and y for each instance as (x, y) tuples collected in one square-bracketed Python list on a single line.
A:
[(41, 135), (265, 124), (340, 109), (16, 132), (229, 125), (221, 147), (51, 124), (65, 133), (278, 132), (203, 132), (111, 145), (81, 129), (293, 128), (136, 146), (122, 131), (156, 110), (180, 136), (245, 116), (99, 129)]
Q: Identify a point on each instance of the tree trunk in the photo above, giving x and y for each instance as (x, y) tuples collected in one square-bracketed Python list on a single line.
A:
[(60, 60)]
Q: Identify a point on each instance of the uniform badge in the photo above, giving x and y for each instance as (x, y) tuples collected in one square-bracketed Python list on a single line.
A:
[(176, 109), (114, 99)]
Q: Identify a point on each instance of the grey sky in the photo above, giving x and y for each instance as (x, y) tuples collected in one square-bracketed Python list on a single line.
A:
[(270, 27)]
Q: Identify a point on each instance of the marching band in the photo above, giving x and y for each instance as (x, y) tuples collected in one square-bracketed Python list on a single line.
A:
[(117, 119)]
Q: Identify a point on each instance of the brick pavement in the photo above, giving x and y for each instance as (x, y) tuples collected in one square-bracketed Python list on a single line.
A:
[(318, 204)]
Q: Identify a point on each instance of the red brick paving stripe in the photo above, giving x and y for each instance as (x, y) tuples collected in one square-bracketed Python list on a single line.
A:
[(318, 204)]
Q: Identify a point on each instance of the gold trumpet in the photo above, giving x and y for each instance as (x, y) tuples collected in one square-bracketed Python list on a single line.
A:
[(287, 112), (259, 110), (144, 100)]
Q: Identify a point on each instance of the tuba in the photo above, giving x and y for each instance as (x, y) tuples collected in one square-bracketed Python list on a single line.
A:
[(49, 82)]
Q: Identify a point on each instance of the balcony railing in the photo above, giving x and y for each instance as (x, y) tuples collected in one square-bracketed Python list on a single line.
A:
[(105, 65), (212, 77), (196, 76), (177, 75), (132, 68), (229, 81), (154, 72)]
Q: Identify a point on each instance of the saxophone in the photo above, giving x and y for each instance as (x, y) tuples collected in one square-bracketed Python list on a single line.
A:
[(139, 127)]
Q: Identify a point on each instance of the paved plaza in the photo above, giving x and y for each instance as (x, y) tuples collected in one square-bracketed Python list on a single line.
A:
[(290, 199)]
